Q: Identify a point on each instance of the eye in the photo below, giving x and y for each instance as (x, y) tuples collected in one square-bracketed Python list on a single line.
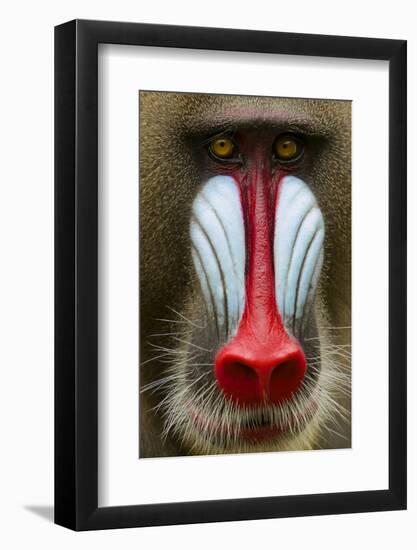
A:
[(223, 148), (288, 149)]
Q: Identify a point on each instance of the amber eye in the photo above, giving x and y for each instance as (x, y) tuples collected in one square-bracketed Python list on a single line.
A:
[(222, 148), (288, 149)]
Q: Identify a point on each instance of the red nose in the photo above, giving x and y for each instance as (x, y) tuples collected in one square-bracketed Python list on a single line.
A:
[(252, 372), (262, 362)]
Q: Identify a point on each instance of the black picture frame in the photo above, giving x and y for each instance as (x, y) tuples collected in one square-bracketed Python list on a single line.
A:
[(76, 272)]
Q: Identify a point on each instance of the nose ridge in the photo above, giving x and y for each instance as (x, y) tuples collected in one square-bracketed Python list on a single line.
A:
[(271, 371), (262, 363)]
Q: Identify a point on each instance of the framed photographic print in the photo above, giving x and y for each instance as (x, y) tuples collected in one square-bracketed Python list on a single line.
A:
[(230, 275)]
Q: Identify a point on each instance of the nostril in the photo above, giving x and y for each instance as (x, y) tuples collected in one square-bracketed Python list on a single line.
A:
[(286, 378), (243, 374), (284, 371), (238, 380), (236, 369)]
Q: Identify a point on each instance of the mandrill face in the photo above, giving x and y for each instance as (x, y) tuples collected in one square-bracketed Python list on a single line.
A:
[(245, 274)]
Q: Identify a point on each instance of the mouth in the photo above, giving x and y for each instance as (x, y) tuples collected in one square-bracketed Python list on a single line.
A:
[(257, 427), (261, 433), (266, 431)]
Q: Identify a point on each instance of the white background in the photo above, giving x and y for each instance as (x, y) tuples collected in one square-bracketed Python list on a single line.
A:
[(123, 479), (26, 300)]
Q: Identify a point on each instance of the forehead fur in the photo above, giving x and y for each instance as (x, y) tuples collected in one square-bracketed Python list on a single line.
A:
[(205, 112)]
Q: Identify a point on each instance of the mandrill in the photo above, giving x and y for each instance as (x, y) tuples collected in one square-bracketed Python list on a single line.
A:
[(245, 274)]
